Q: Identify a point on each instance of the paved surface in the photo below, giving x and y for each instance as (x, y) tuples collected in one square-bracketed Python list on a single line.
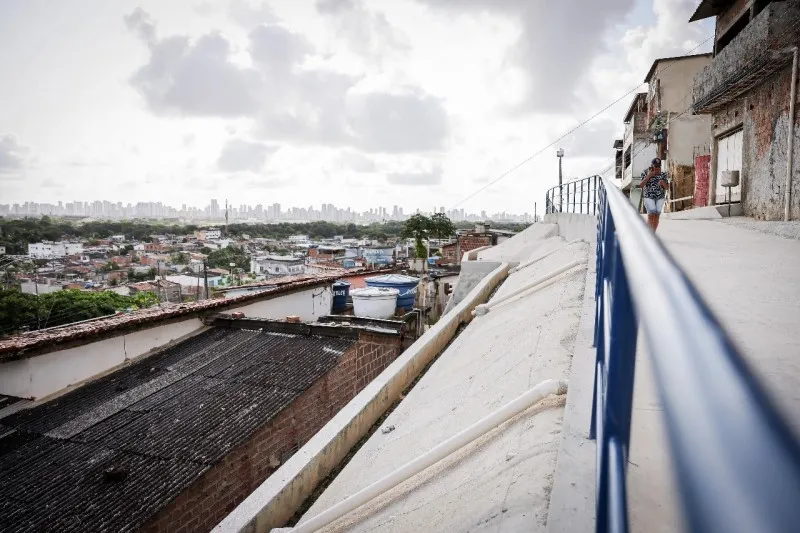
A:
[(502, 481), (750, 278), (787, 230)]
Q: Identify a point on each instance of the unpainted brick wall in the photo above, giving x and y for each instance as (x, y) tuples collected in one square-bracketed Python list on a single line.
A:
[(449, 254), (702, 166), (468, 243), (217, 492)]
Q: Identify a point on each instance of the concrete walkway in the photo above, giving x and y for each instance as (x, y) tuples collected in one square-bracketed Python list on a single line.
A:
[(751, 281)]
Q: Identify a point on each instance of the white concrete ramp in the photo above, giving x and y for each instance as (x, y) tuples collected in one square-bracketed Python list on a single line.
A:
[(502, 481)]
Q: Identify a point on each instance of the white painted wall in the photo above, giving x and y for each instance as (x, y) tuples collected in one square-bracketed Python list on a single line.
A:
[(574, 226), (37, 377), (43, 375), (309, 305), (30, 287)]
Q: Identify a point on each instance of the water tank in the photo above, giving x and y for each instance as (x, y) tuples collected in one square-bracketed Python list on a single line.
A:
[(374, 302), (406, 285), (341, 289)]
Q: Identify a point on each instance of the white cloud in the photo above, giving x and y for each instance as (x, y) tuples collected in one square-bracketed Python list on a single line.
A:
[(432, 177), (238, 155), (197, 77), (12, 155), (385, 94)]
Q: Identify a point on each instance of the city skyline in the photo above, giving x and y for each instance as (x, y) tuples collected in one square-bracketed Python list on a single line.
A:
[(216, 211)]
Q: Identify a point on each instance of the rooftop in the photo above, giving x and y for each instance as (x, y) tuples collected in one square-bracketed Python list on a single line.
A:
[(158, 424), (710, 8), (674, 58), (640, 99), (40, 341)]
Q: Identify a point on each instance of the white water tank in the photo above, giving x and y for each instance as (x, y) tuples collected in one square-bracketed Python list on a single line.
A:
[(374, 302)]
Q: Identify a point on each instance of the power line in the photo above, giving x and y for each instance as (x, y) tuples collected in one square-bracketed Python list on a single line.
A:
[(567, 134)]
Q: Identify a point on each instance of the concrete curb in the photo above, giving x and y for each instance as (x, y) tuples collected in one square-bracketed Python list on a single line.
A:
[(280, 496), (572, 501)]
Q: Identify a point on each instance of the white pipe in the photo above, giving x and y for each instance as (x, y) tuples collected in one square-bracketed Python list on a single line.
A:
[(548, 254), (787, 200), (457, 441), (484, 308)]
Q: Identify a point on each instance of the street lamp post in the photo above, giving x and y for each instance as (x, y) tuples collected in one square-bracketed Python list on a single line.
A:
[(560, 155), (233, 265)]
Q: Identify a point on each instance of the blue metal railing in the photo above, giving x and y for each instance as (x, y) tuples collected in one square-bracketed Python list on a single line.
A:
[(578, 196), (736, 462)]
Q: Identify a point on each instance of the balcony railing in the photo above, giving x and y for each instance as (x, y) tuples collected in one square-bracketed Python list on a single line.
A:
[(579, 196), (737, 464)]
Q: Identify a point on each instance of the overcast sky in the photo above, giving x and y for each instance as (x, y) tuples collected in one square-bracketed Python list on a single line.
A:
[(353, 102)]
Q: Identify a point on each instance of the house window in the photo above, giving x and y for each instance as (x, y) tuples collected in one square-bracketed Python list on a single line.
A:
[(733, 31)]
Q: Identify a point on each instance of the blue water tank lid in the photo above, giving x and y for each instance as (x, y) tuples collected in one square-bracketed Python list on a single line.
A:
[(393, 278), (341, 283)]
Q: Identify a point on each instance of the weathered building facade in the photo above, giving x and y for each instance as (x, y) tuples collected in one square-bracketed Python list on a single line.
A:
[(678, 134), (637, 150), (747, 91)]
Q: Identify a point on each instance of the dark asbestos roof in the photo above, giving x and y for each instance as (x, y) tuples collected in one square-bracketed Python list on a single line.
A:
[(164, 421)]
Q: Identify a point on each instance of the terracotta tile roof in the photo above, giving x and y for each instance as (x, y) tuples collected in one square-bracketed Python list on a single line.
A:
[(162, 422), (34, 342)]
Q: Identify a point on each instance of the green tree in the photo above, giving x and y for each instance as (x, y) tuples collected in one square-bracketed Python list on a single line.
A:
[(441, 226), (417, 227), (142, 276), (180, 258), (224, 257), (18, 310)]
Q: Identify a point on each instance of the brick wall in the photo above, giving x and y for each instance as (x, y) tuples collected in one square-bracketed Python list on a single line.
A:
[(702, 166), (470, 242), (449, 254), (217, 492)]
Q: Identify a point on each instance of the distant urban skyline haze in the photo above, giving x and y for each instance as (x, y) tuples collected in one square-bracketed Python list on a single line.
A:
[(415, 103), (216, 211)]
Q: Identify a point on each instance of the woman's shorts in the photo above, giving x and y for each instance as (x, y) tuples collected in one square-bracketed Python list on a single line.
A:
[(653, 206)]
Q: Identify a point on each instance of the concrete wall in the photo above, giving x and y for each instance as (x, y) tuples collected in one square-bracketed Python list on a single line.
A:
[(642, 153), (676, 78), (684, 134), (280, 496), (209, 499), (572, 226), (309, 305), (43, 375), (763, 116), (764, 150)]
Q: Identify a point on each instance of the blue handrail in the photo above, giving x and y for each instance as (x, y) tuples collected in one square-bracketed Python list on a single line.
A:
[(737, 463)]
